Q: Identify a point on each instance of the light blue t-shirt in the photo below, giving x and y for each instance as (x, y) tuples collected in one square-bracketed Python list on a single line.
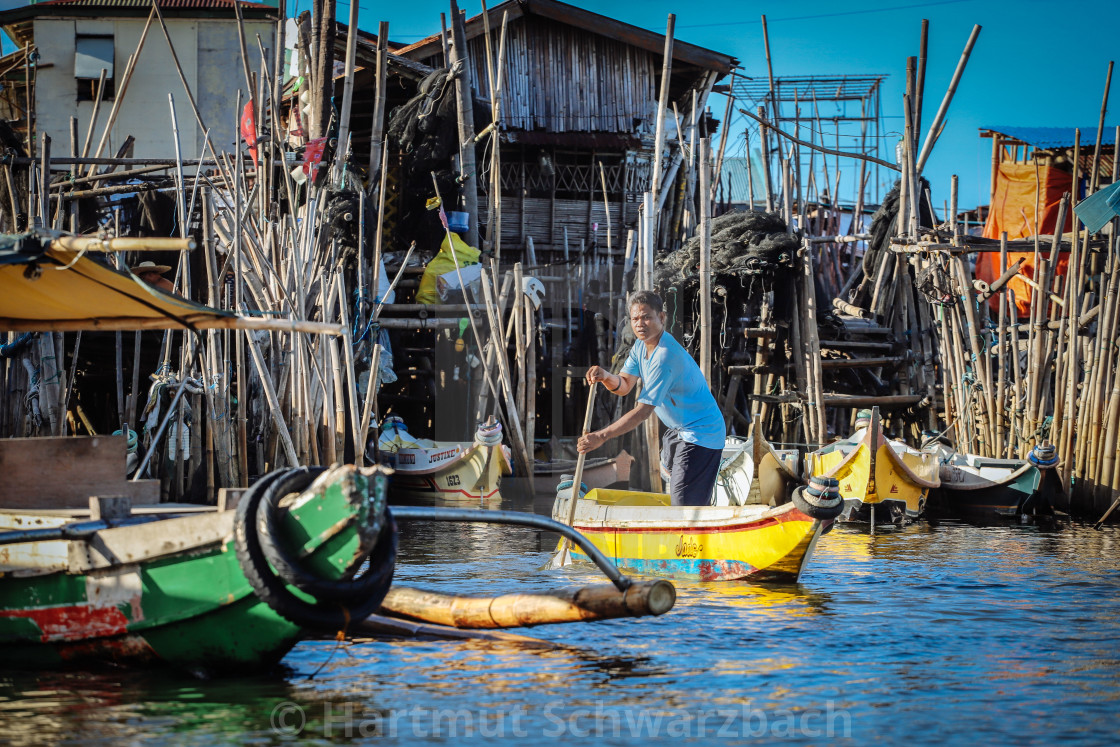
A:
[(674, 385)]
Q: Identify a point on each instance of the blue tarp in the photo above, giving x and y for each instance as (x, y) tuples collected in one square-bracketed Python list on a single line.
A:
[(1096, 210)]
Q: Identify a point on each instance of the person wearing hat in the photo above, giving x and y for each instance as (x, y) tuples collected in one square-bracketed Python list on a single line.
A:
[(152, 274)]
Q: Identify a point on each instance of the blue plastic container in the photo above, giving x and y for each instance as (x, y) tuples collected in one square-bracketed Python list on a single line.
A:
[(458, 222)]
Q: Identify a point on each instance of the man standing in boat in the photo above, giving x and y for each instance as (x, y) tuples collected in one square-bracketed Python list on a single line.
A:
[(673, 387)]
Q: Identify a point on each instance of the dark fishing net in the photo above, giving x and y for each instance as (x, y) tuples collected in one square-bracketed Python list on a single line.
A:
[(343, 217), (424, 131), (424, 128), (933, 282), (157, 211), (744, 244), (12, 145)]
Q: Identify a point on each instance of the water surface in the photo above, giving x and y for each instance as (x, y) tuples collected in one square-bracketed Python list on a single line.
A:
[(925, 635)]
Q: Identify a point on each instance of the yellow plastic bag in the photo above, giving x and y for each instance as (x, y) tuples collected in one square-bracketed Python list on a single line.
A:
[(444, 261)]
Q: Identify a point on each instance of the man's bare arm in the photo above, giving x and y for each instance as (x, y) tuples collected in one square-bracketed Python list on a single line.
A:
[(625, 424), (620, 384)]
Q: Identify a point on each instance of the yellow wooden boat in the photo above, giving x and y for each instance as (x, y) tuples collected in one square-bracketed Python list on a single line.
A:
[(759, 528), (642, 533), (880, 480)]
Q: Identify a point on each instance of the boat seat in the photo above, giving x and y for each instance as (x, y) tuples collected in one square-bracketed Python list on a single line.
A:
[(1002, 463), (627, 498)]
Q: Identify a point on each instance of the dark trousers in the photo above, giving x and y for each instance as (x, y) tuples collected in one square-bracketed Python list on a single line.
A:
[(692, 470)]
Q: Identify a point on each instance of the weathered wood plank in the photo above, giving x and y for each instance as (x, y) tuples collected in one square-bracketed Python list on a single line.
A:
[(65, 472)]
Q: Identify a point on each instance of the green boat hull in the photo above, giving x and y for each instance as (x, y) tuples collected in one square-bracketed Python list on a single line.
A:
[(194, 608)]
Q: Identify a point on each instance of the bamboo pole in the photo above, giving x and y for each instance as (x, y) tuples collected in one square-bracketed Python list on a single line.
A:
[(465, 100), (705, 262), (1093, 179), (813, 348), (601, 602), (521, 455), (764, 145), (376, 152), (347, 87), (119, 93), (662, 106), (819, 148), (935, 127)]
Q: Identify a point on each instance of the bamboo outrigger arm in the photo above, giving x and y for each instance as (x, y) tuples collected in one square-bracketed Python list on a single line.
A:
[(516, 518), (121, 244), (186, 321), (584, 604)]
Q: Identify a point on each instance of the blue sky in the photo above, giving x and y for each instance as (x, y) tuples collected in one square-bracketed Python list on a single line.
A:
[(1036, 63)]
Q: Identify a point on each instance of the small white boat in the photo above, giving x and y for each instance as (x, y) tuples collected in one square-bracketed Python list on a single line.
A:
[(752, 471), (455, 470)]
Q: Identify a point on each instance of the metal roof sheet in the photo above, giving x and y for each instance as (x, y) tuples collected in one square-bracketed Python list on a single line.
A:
[(164, 4), (1055, 137)]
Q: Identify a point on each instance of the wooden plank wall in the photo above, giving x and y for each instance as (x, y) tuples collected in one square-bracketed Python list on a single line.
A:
[(562, 79), (547, 230), (55, 473)]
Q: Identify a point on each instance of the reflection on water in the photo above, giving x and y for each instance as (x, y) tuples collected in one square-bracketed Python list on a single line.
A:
[(926, 634)]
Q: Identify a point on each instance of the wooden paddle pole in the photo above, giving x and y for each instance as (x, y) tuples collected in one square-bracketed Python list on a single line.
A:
[(563, 556)]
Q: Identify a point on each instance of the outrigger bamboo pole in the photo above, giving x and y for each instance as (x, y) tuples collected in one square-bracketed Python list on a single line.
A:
[(600, 602)]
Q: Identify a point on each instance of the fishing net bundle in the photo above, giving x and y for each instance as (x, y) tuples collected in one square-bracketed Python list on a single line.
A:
[(12, 145), (934, 282), (744, 243), (425, 127), (752, 255), (342, 220), (424, 133)]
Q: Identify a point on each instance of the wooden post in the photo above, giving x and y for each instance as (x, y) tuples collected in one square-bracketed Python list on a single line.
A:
[(705, 261), (465, 100), (347, 86), (376, 154), (662, 105), (812, 346)]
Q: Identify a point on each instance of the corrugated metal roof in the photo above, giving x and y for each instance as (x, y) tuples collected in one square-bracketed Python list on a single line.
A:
[(1054, 137), (164, 4)]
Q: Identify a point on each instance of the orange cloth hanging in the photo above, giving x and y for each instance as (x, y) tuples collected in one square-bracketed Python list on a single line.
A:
[(1013, 210)]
